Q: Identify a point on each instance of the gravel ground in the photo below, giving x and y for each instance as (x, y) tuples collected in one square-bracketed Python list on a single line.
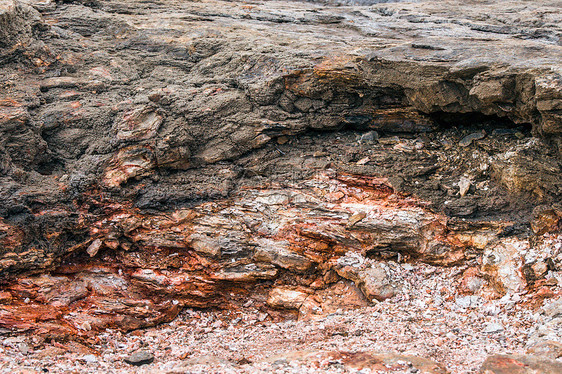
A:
[(427, 319)]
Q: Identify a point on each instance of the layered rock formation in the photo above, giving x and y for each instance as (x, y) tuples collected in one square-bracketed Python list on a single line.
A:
[(160, 155)]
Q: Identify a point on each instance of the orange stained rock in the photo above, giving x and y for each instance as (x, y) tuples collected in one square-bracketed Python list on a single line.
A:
[(129, 162), (13, 114), (340, 68), (207, 256), (8, 102), (12, 236)]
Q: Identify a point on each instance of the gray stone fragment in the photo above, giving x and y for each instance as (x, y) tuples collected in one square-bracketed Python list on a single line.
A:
[(492, 328), (23, 348), (553, 309), (467, 140), (140, 358), (464, 186), (369, 137), (90, 358), (376, 284)]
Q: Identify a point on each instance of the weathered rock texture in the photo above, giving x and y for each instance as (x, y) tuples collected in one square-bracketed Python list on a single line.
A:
[(158, 155)]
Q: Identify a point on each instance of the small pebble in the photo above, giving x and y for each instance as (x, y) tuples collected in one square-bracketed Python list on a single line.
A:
[(90, 358), (464, 186), (23, 348), (492, 328)]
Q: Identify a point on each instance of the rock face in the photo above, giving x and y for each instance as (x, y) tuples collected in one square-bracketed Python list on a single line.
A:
[(216, 153), (17, 21)]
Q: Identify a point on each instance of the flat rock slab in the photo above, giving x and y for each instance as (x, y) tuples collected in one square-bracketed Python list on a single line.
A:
[(381, 362), (518, 364), (140, 358)]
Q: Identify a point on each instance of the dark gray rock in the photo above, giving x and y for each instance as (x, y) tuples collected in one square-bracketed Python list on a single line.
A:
[(140, 358), (470, 138)]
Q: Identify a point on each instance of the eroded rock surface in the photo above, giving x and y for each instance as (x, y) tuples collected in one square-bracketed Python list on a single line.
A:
[(519, 364), (278, 152)]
